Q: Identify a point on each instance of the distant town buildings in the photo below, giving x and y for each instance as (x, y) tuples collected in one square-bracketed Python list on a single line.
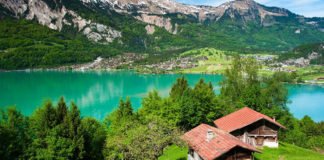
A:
[(177, 63)]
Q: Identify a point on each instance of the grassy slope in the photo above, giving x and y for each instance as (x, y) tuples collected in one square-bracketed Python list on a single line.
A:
[(217, 62), (174, 153), (284, 152), (288, 152)]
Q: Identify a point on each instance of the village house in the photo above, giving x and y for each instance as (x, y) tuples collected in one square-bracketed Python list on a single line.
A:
[(251, 127), (209, 143)]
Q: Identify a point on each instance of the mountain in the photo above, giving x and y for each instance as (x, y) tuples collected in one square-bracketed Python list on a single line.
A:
[(313, 52), (108, 27)]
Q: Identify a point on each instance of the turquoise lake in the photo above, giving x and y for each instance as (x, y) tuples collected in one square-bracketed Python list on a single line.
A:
[(98, 93)]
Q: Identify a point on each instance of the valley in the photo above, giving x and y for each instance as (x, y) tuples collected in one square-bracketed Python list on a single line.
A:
[(72, 31), (211, 61)]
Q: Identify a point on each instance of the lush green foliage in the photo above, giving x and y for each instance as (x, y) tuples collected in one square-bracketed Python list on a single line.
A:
[(14, 134), (201, 95), (61, 133), (244, 86), (26, 44), (287, 77), (305, 133), (186, 107), (50, 133), (137, 136)]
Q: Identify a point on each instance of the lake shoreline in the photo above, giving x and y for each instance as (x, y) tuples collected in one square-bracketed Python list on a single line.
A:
[(306, 82)]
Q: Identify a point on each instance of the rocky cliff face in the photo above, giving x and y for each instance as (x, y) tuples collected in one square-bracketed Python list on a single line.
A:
[(158, 21), (249, 10), (244, 9), (159, 7), (155, 13), (55, 19)]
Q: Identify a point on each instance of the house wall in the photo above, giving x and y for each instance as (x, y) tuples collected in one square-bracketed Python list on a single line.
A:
[(271, 144), (237, 154), (261, 133)]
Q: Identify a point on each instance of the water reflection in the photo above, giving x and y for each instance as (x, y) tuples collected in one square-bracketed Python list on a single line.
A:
[(307, 100), (96, 93)]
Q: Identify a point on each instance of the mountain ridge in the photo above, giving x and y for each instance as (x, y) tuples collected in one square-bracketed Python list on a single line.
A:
[(151, 12), (153, 26)]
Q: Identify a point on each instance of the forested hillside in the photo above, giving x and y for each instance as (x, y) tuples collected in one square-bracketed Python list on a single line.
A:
[(75, 31), (26, 44), (305, 51)]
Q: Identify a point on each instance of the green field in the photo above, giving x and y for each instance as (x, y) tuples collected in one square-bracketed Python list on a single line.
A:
[(284, 152), (174, 153), (217, 62), (288, 152), (311, 72)]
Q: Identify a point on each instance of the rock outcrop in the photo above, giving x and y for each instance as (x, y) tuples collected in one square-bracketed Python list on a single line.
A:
[(158, 21), (150, 29), (245, 9), (56, 19)]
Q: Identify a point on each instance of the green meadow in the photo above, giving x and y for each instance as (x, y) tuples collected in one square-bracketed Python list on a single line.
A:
[(284, 152)]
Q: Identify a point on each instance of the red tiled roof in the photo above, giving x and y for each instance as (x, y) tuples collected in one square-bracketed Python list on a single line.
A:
[(219, 145), (242, 118)]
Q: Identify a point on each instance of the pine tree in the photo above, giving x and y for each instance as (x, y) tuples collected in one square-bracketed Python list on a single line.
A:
[(94, 138), (128, 109), (14, 136), (198, 105), (179, 88), (61, 110), (75, 132), (152, 104), (47, 117), (125, 109)]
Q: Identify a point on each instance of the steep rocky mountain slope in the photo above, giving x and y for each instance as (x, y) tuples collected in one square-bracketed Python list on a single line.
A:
[(154, 26), (312, 52)]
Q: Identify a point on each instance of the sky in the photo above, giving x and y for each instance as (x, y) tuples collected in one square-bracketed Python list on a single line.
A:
[(308, 8)]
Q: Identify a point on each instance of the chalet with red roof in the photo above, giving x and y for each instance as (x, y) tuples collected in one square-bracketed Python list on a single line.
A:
[(251, 127), (210, 143)]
